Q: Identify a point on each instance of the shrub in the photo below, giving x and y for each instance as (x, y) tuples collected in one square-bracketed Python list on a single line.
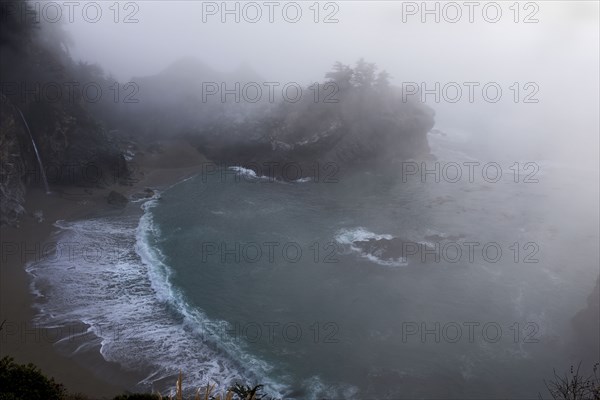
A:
[(574, 385), (26, 382)]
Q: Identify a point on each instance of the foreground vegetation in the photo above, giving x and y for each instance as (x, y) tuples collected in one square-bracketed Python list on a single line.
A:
[(26, 382), (575, 385)]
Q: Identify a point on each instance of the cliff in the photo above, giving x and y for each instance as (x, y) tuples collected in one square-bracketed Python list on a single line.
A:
[(355, 121), (72, 143)]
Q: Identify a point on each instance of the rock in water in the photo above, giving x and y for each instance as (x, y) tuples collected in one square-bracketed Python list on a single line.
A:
[(385, 249), (117, 199), (146, 194)]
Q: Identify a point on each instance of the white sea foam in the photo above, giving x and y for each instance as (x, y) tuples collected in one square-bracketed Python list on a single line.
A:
[(303, 180), (251, 176), (248, 173), (316, 388), (123, 292), (396, 262), (347, 237)]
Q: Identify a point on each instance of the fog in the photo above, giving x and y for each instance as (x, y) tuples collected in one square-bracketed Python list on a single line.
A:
[(511, 84), (557, 53)]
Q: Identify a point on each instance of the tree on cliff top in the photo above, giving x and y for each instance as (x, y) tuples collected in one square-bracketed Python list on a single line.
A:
[(341, 75), (363, 76)]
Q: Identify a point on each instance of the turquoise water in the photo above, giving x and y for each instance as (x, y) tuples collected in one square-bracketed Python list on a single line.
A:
[(238, 278)]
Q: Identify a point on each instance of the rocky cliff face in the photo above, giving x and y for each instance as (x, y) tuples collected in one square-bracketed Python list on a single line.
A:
[(73, 145), (74, 148), (13, 163), (355, 133), (354, 119)]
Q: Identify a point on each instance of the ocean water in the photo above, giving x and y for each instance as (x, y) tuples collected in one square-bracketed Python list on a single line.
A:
[(233, 277)]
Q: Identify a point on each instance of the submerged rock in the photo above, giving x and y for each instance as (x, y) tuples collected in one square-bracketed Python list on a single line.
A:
[(440, 238), (397, 248), (388, 249)]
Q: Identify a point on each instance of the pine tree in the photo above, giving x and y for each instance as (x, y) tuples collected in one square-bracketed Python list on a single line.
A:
[(383, 80), (364, 74), (341, 75)]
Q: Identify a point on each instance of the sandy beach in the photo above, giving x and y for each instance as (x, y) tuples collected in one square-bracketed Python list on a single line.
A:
[(20, 338)]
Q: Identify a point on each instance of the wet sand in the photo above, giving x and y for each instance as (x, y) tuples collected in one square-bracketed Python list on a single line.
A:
[(86, 372)]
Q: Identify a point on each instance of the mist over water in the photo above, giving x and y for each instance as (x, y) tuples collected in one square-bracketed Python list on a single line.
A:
[(488, 319), (447, 264), (552, 45)]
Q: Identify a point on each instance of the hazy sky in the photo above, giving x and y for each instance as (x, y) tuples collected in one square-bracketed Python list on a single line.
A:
[(558, 53), (167, 30)]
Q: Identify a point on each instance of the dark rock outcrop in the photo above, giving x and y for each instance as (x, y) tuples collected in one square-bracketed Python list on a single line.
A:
[(398, 248), (146, 194), (73, 145), (74, 148), (116, 199), (353, 120), (387, 249), (392, 249), (14, 162), (357, 133)]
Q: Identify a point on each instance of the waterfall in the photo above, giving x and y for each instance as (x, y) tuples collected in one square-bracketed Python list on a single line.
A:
[(37, 153)]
